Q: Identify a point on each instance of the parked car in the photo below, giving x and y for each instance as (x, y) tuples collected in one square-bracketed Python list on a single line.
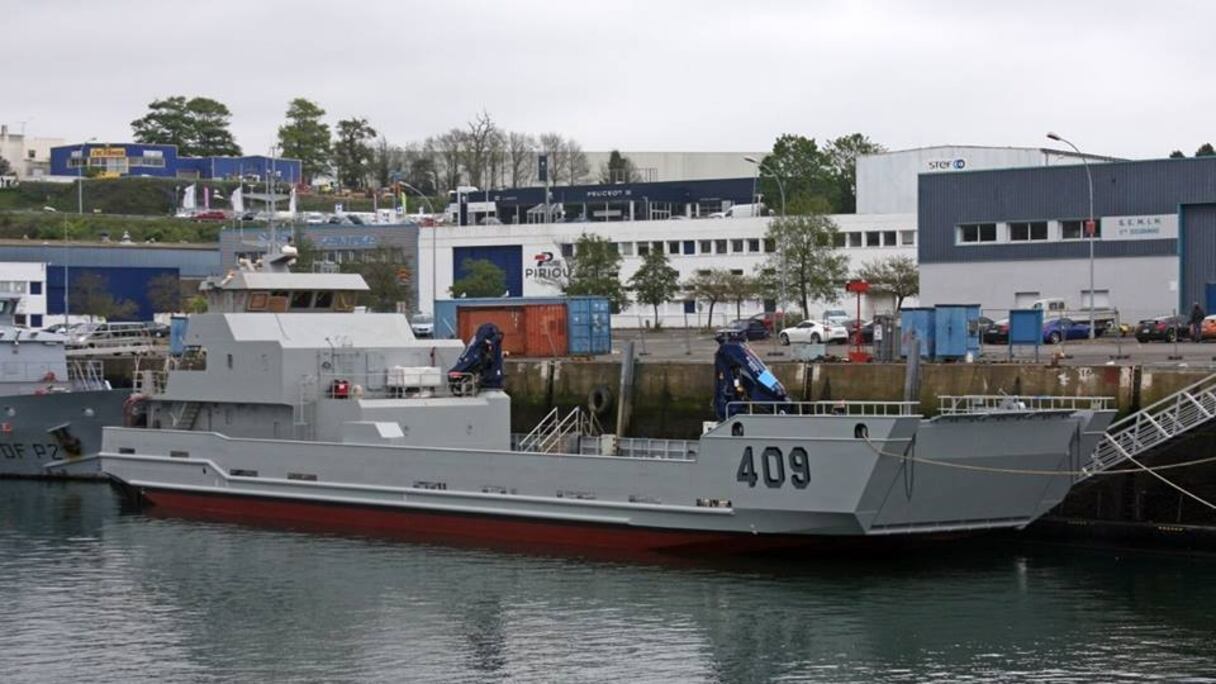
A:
[(750, 328), (813, 331), (1058, 329), (423, 325), (770, 319), (835, 316), (1207, 329), (997, 332), (867, 329), (1163, 328), (109, 334)]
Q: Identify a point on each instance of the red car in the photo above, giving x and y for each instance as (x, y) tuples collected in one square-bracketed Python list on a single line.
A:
[(770, 319), (213, 215)]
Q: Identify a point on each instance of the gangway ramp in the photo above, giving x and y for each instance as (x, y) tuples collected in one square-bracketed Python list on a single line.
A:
[(1155, 425)]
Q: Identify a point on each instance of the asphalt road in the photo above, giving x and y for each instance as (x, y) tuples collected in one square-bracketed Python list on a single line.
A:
[(694, 346)]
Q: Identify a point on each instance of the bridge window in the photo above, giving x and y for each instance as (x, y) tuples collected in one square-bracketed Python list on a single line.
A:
[(324, 300), (301, 299)]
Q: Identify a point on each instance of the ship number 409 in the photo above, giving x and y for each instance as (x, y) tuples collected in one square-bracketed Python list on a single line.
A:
[(772, 468)]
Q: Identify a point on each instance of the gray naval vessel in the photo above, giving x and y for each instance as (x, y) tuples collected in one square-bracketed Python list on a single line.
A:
[(52, 410), (290, 407)]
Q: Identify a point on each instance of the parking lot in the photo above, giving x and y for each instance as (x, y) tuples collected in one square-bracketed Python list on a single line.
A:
[(697, 346)]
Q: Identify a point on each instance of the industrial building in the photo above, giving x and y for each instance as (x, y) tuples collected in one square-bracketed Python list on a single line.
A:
[(117, 160), (126, 270), (1003, 238), (29, 157)]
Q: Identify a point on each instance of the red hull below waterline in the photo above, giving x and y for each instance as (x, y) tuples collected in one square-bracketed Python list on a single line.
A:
[(502, 532)]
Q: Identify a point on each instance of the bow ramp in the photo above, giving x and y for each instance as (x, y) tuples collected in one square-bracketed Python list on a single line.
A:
[(1156, 424)]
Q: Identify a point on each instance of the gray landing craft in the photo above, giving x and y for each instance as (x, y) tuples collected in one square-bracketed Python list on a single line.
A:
[(290, 407), (52, 410)]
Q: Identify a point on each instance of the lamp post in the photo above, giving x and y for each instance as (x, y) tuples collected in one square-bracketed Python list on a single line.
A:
[(1090, 225), (79, 211), (760, 166), (434, 249)]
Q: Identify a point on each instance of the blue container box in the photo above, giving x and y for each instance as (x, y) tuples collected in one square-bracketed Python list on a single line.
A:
[(921, 320)]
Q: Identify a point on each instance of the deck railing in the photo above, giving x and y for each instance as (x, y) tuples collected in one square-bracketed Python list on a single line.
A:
[(990, 403), (824, 408)]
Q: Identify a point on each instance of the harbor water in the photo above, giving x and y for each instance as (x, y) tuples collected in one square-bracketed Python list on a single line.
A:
[(92, 590)]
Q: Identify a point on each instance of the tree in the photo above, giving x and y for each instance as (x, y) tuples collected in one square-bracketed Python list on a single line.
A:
[(5, 167), (842, 154), (445, 149), (521, 157), (91, 297), (655, 281), (806, 172), (1177, 154), (575, 163), (710, 285), (739, 288), (306, 137), (476, 150), (594, 269), (352, 154), (554, 145), (806, 257), (482, 278), (895, 276), (388, 278), (198, 127), (165, 293), (618, 169), (1205, 150)]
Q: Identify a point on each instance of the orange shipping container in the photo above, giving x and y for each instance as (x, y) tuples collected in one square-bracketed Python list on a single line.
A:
[(509, 319), (545, 328)]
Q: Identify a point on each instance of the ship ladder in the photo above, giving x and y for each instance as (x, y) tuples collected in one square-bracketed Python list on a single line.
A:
[(1154, 425)]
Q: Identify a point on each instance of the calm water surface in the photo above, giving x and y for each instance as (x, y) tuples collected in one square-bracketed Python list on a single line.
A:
[(92, 592)]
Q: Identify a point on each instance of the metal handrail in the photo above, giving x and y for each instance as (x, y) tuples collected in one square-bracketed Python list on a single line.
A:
[(976, 403), (1189, 389), (825, 408), (1157, 423), (532, 437)]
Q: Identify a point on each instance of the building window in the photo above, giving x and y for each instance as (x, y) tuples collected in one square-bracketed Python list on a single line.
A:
[(736, 271), (657, 246), (567, 249), (35, 320), (1024, 231), (854, 239), (977, 232), (888, 238), (873, 238), (626, 249), (643, 249), (35, 287), (907, 237), (838, 239), (1074, 229), (770, 245), (707, 246), (19, 319), (719, 246), (673, 246), (736, 245), (753, 245), (690, 247), (690, 306)]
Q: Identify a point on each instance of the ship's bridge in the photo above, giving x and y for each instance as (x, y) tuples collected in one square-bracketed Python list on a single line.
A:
[(283, 292)]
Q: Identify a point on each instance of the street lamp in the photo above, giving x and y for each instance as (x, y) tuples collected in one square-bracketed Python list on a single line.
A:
[(434, 249), (80, 211), (760, 166), (780, 186), (1090, 226)]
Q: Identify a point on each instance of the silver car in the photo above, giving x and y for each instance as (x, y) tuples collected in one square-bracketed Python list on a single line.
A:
[(423, 325)]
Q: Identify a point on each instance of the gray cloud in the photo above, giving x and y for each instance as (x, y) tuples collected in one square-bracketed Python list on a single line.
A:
[(1123, 78)]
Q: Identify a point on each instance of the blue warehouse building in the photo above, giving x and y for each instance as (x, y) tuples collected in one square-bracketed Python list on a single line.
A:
[(1007, 237), (118, 160), (620, 202)]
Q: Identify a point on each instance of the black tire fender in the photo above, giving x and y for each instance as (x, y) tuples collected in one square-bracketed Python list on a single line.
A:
[(599, 400)]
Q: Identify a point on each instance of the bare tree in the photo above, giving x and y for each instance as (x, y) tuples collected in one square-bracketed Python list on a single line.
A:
[(476, 150), (521, 158), (446, 151), (498, 159), (554, 145), (576, 166)]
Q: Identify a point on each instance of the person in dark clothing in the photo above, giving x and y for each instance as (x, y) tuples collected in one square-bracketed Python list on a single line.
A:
[(1197, 315)]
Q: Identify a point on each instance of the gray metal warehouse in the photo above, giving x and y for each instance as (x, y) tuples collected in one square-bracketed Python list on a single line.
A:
[(1006, 237)]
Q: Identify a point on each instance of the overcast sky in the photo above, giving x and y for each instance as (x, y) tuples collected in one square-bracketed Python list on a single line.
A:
[(1122, 78)]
